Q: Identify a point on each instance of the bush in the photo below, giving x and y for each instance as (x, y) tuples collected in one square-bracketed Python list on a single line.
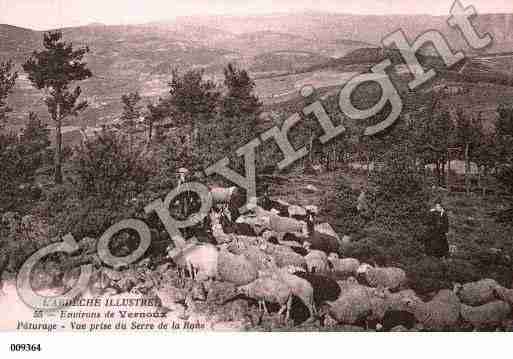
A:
[(398, 194)]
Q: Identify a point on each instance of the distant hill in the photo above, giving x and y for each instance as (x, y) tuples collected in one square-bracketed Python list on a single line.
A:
[(140, 57), (286, 61)]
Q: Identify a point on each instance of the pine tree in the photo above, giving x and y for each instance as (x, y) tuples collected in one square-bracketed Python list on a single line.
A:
[(131, 114), (240, 100), (7, 82), (55, 68)]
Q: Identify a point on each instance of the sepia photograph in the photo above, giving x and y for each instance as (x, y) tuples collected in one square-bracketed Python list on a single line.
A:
[(274, 166)]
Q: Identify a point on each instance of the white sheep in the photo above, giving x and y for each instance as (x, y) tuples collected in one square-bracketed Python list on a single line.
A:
[(442, 312), (300, 287), (287, 225), (271, 290), (344, 266), (296, 211), (317, 262), (354, 305), (476, 293), (221, 195), (326, 228), (258, 258), (199, 260), (486, 315), (284, 256), (235, 269), (389, 277)]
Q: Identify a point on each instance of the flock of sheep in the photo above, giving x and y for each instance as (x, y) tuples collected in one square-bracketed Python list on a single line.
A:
[(277, 252), (284, 265)]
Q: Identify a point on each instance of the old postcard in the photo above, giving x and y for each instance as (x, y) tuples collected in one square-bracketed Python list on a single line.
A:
[(269, 166)]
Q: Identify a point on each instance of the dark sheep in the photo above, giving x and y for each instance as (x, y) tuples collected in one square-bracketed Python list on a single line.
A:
[(321, 241), (290, 237), (300, 250), (241, 229), (325, 288), (268, 204), (394, 318)]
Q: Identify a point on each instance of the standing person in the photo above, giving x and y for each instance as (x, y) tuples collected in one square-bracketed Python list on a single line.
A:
[(4, 262), (182, 179), (362, 206), (438, 227)]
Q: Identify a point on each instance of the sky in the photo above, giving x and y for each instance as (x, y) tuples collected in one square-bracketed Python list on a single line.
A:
[(48, 14)]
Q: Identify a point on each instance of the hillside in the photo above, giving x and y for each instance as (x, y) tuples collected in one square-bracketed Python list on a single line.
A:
[(140, 57)]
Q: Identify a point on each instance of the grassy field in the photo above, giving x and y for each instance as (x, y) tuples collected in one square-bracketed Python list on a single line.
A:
[(484, 248)]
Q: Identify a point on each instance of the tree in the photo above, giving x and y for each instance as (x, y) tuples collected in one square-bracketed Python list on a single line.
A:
[(55, 68), (105, 168), (468, 136), (399, 196), (504, 144), (36, 133), (131, 114), (240, 100), (154, 114), (21, 156), (193, 97), (433, 139), (7, 82)]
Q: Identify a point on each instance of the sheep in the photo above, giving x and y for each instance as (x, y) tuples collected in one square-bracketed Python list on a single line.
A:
[(441, 313), (317, 262), (284, 256), (476, 293), (271, 290), (504, 294), (297, 212), (311, 209), (236, 269), (199, 260), (344, 266), (293, 238), (319, 240), (238, 228), (221, 195), (326, 228), (268, 204), (231, 197), (217, 229), (390, 277), (391, 312), (299, 250), (259, 259), (325, 288), (287, 225), (300, 287), (352, 307), (487, 315)]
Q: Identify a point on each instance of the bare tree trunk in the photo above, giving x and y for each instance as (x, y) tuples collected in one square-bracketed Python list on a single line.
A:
[(150, 134), (467, 169), (442, 175), (448, 173), (438, 174), (58, 146)]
